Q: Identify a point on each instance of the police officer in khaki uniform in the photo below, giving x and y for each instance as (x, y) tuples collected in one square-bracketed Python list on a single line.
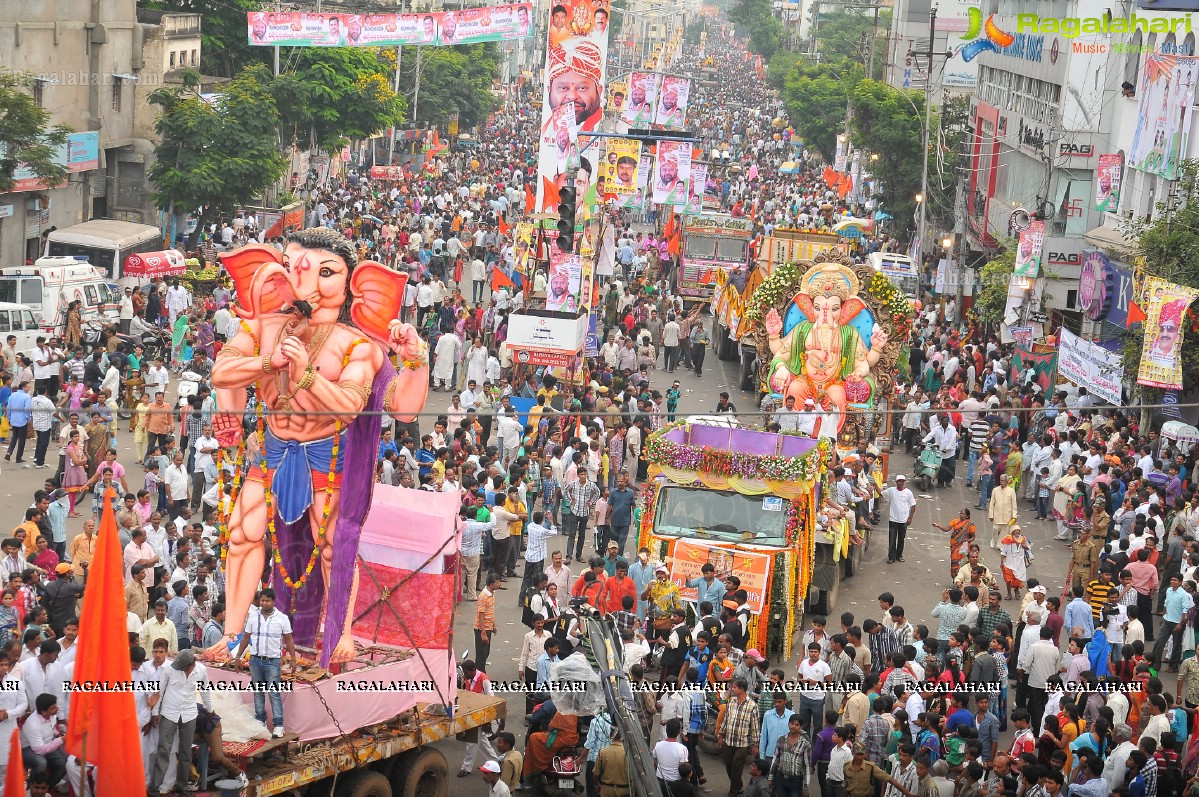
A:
[(611, 770), (1084, 558)]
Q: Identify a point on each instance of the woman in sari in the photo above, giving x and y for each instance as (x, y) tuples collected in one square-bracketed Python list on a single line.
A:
[(177, 333), (961, 536), (1064, 491), (45, 558), (206, 336), (75, 470), (1014, 466), (74, 331)]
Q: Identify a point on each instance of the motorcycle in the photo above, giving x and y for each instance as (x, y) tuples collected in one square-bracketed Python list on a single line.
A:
[(927, 467), (189, 385)]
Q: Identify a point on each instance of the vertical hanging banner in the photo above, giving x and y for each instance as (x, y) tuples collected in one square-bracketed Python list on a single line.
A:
[(619, 172), (672, 102), (643, 97), (695, 193), (618, 95), (1166, 98), (1107, 182), (1028, 252), (671, 173), (1165, 306), (565, 282), (523, 248), (574, 83)]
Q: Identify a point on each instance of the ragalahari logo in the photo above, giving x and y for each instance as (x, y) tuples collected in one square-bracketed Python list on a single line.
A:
[(994, 41)]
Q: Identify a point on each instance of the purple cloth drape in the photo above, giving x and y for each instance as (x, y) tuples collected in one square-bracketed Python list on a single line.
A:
[(295, 539)]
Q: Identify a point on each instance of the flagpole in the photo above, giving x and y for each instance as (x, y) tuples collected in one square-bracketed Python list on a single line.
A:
[(83, 757)]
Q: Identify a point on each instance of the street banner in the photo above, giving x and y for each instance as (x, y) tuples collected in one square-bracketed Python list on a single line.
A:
[(1165, 306), (619, 170), (575, 58), (671, 173), (565, 281), (1091, 366), (1107, 182), (1166, 96), (671, 110), (642, 99), (618, 94), (468, 26), (689, 558), (1028, 252), (695, 193), (591, 346), (1022, 336), (523, 247), (1170, 408), (1043, 364)]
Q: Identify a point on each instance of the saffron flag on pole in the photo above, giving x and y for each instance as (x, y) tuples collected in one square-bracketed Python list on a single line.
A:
[(500, 280), (103, 727), (14, 776), (502, 225)]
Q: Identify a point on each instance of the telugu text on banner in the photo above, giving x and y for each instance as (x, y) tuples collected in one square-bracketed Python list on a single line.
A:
[(689, 558), (1165, 305), (619, 171), (467, 26), (643, 97), (1089, 365), (672, 102)]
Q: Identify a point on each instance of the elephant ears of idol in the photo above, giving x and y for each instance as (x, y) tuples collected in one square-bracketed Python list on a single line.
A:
[(258, 277), (804, 303), (850, 309), (378, 296)]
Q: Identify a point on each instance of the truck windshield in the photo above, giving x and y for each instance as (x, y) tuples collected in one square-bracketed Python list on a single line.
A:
[(731, 249), (701, 247), (721, 515)]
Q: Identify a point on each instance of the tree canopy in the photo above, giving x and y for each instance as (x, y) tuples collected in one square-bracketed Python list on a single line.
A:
[(26, 135), (452, 79), (755, 18), (816, 96), (216, 155), (226, 49), (889, 123), (846, 33)]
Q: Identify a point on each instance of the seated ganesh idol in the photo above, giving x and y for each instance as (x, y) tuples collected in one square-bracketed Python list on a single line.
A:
[(317, 326)]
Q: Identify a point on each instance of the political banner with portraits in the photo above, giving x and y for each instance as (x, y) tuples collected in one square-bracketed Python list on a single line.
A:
[(618, 92), (695, 192), (1167, 98), (1165, 305), (642, 100), (619, 170), (1107, 182), (468, 26), (672, 172), (671, 110), (1028, 250), (575, 63), (565, 281), (523, 248)]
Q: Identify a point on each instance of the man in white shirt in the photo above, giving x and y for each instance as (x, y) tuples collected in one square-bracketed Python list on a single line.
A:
[(41, 743), (204, 446), (813, 672), (267, 633), (176, 483), (175, 715), (902, 510), (13, 706)]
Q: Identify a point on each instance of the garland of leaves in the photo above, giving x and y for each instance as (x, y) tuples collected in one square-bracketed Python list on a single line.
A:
[(720, 462), (778, 606), (766, 297)]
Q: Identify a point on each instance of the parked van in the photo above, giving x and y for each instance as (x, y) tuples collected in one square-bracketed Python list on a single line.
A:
[(19, 320), (52, 283)]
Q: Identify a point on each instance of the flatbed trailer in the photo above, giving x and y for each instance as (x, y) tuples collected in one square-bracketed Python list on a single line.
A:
[(392, 759)]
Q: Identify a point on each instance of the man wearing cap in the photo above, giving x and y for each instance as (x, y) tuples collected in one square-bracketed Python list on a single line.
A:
[(809, 419), (60, 595), (901, 512), (175, 716), (574, 79), (491, 774), (861, 776)]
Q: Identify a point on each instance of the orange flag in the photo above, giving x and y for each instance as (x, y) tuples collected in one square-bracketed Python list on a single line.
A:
[(500, 280), (668, 228), (552, 195), (530, 199), (846, 186), (103, 725), (673, 247), (1136, 315), (829, 176), (14, 776), (503, 225)]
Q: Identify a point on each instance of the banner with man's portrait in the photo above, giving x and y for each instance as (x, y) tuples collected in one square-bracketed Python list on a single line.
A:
[(575, 61), (672, 173), (671, 110), (620, 166), (643, 98), (1165, 305)]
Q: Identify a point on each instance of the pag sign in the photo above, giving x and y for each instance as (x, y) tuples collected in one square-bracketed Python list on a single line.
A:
[(753, 569)]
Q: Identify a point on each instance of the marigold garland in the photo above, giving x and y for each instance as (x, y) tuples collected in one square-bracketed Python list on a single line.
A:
[(659, 450)]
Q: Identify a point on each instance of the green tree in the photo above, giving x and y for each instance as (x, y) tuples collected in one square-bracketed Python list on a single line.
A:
[(1170, 248), (816, 96), (329, 96), (847, 34), (452, 79), (889, 123), (755, 19), (991, 298), (26, 135), (226, 46), (216, 155)]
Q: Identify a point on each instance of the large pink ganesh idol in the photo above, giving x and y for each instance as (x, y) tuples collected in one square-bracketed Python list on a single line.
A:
[(316, 329)]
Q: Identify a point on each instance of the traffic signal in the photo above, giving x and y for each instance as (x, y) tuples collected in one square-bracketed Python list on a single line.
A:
[(566, 219)]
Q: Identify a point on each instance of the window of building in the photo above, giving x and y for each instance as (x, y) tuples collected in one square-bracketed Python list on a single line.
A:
[(118, 86), (172, 61), (39, 92), (195, 57), (1132, 61)]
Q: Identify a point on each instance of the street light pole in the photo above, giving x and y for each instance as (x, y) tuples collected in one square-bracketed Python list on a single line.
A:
[(922, 229)]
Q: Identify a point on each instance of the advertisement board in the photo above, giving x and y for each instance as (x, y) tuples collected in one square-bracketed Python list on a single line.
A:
[(81, 153), (466, 26), (1090, 366), (753, 569)]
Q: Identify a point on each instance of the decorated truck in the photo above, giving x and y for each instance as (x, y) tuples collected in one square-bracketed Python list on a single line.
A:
[(713, 245), (746, 501), (731, 339)]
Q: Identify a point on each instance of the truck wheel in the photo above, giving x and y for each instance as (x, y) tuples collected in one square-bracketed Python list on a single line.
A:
[(824, 601), (422, 773), (853, 564), (726, 349), (364, 783), (707, 744)]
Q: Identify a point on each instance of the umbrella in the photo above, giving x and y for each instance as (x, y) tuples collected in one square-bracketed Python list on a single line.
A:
[(789, 167), (1179, 431), (882, 215), (851, 227)]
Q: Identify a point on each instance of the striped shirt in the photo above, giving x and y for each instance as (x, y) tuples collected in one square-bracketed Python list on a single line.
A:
[(741, 723), (1099, 595)]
